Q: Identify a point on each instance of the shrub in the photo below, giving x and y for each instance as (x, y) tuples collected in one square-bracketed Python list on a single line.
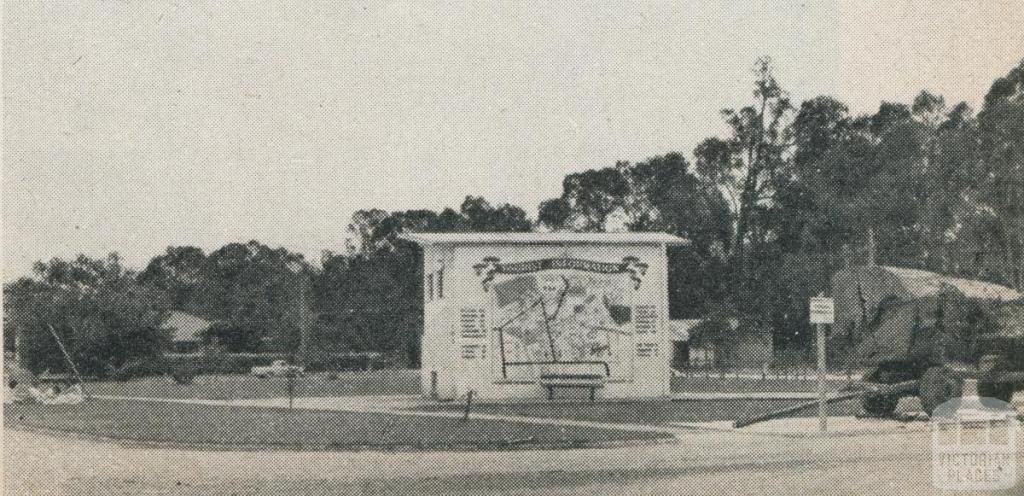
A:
[(183, 376), (140, 368), (234, 338), (222, 363), (345, 362)]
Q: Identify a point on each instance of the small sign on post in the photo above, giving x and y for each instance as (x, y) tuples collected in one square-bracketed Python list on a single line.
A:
[(822, 312)]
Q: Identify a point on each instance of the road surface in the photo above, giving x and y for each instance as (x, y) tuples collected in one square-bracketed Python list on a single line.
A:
[(700, 462)]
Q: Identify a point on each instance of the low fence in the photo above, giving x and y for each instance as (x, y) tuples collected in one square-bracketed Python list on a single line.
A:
[(792, 366), (710, 377), (242, 363)]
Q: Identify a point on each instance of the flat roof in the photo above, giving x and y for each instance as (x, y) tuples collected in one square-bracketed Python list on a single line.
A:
[(555, 238)]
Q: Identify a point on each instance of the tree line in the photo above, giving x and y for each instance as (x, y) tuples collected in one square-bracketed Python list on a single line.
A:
[(793, 191)]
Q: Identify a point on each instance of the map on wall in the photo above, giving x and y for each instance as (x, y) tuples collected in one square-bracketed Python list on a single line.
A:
[(564, 317)]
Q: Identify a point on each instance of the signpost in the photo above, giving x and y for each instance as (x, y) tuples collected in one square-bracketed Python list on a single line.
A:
[(822, 312)]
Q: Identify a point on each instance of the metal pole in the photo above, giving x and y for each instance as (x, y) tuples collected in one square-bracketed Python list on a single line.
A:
[(67, 356), (900, 387), (820, 338)]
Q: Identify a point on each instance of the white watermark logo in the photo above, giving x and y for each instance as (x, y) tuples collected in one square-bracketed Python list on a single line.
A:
[(974, 444)]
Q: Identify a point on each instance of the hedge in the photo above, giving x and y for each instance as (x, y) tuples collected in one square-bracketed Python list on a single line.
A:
[(239, 363)]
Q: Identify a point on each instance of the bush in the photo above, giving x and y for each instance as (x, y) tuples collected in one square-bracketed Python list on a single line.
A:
[(222, 363), (183, 376), (234, 338), (242, 363), (142, 367), (343, 362)]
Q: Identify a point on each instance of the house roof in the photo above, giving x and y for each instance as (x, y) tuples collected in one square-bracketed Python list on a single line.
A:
[(186, 327), (555, 238)]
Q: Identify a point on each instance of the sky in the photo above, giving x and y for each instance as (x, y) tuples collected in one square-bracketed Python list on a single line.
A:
[(131, 126)]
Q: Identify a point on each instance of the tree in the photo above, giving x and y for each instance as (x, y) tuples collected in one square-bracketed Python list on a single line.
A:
[(555, 214), (100, 313), (178, 271), (481, 216), (370, 299), (256, 287), (1001, 169), (588, 199), (657, 194), (821, 124), (364, 226), (749, 163)]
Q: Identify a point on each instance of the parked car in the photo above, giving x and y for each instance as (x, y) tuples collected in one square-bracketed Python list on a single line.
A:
[(279, 368)]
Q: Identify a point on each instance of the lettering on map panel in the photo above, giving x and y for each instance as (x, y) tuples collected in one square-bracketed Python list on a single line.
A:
[(646, 319), (473, 323), (474, 351), (492, 266), (646, 350)]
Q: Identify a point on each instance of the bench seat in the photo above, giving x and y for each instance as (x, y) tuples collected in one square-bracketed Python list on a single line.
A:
[(580, 381)]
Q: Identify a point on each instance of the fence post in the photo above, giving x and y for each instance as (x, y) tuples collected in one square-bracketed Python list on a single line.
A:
[(291, 389)]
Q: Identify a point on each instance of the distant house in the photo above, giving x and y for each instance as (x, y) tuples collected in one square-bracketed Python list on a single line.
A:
[(685, 353), (692, 346), (749, 348), (187, 331)]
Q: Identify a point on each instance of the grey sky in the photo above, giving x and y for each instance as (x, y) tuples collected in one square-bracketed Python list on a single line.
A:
[(131, 126)]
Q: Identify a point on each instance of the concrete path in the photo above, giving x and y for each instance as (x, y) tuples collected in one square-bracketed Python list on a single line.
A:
[(809, 427), (742, 396)]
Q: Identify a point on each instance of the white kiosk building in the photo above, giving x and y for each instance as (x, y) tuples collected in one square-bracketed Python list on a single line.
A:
[(519, 315)]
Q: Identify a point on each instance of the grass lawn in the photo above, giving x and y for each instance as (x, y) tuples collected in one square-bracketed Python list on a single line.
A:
[(297, 429), (650, 412), (221, 387)]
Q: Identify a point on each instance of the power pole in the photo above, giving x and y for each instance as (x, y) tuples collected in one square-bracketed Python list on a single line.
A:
[(303, 318), (871, 247)]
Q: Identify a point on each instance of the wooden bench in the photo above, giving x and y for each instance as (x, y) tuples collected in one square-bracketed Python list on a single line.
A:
[(579, 381)]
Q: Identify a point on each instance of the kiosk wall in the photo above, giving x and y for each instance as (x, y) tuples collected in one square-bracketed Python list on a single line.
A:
[(500, 310)]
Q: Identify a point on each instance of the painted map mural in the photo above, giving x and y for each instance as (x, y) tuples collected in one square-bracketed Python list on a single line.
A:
[(564, 316)]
